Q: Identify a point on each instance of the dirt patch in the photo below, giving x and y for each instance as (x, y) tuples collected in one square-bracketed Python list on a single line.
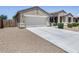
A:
[(21, 40)]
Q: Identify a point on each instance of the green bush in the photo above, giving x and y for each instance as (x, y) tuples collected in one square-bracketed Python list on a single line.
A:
[(61, 25), (70, 25), (77, 24), (74, 24), (54, 24)]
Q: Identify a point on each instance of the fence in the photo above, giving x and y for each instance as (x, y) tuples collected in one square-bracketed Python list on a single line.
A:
[(8, 23)]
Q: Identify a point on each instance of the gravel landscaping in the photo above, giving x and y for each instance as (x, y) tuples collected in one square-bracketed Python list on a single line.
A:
[(21, 40)]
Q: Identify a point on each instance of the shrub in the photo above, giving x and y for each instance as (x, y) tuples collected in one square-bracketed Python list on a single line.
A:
[(74, 24), (77, 24), (61, 25), (70, 25), (54, 24)]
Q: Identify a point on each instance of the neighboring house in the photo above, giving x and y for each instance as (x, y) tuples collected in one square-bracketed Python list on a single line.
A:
[(76, 19), (61, 16), (32, 17), (37, 17)]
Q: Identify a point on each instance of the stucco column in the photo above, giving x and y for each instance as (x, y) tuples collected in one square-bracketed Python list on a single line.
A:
[(48, 21), (58, 19), (71, 19), (66, 20), (21, 21), (21, 24)]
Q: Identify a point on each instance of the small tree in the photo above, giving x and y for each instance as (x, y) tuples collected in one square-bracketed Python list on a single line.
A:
[(4, 17), (14, 16)]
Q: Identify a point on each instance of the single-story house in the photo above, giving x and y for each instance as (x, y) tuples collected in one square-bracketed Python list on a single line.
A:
[(76, 19), (32, 17), (37, 17), (62, 16)]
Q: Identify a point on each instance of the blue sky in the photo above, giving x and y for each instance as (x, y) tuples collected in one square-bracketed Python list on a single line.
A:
[(10, 11)]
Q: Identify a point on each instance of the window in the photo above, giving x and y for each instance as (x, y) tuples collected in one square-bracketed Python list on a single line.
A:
[(69, 19), (76, 20)]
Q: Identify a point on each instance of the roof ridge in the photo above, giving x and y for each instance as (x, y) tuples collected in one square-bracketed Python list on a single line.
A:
[(59, 11), (28, 8)]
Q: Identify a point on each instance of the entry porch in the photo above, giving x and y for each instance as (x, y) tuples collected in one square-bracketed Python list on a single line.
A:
[(61, 19)]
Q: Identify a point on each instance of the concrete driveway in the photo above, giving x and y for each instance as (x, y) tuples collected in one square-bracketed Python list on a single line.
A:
[(67, 40), (22, 40)]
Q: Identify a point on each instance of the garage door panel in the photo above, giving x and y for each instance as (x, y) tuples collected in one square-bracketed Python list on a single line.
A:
[(36, 21)]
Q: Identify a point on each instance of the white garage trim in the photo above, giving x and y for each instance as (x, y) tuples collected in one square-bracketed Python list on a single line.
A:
[(35, 16)]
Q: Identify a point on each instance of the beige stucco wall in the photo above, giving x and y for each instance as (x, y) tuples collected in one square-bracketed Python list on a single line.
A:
[(34, 12), (41, 13), (60, 14), (67, 18)]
